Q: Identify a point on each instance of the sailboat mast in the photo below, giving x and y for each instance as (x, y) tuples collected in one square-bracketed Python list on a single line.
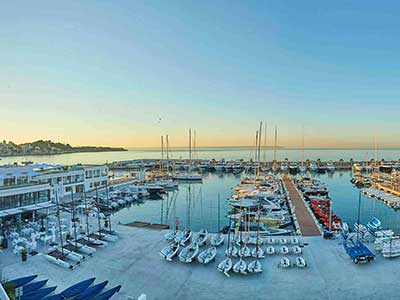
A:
[(219, 217), (74, 218), (59, 219), (302, 148), (265, 143), (275, 144), (162, 154), (190, 145), (167, 151), (98, 211), (259, 148)]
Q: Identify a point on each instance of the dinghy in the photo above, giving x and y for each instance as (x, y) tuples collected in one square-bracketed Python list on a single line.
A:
[(232, 251), (91, 291), (79, 248), (71, 254), (171, 235), (284, 250), (186, 236), (225, 266), (283, 241), (240, 267), (64, 260), (294, 241), (300, 262), (108, 294), (201, 237), (39, 294), (189, 253), (297, 250), (207, 255), (170, 251), (255, 267), (270, 250), (217, 239), (244, 252), (284, 263), (257, 252), (270, 241), (104, 238), (91, 243)]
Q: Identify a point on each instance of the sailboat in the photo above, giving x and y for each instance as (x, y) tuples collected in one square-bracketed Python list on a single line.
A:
[(240, 267), (218, 239), (226, 265), (207, 255), (188, 176), (170, 251), (200, 238), (255, 266), (188, 254)]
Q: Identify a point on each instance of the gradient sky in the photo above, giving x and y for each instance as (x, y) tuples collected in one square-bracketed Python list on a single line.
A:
[(122, 73)]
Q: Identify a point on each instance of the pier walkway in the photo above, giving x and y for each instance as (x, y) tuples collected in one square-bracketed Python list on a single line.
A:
[(307, 224)]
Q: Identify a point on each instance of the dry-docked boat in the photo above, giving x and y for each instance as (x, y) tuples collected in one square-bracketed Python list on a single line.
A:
[(240, 267), (255, 267), (217, 239), (207, 255), (189, 253), (200, 237), (170, 251), (225, 266)]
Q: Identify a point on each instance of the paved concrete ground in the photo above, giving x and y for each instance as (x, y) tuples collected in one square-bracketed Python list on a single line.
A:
[(134, 262)]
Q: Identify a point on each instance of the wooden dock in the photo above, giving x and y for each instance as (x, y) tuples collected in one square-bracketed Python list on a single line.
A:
[(307, 223)]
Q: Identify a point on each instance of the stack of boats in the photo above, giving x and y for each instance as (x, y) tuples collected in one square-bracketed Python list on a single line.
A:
[(37, 290), (384, 240), (316, 194)]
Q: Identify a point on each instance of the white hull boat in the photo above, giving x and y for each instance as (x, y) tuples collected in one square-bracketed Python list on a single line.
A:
[(225, 266), (270, 250), (217, 239), (244, 252), (300, 262), (189, 253), (284, 250), (257, 252), (170, 251), (232, 251), (200, 238), (284, 263), (297, 250), (207, 255), (240, 267), (255, 267)]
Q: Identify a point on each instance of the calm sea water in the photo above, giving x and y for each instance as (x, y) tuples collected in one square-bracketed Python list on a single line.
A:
[(227, 153), (203, 203)]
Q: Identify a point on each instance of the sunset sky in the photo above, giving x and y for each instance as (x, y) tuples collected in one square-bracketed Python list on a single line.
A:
[(122, 73)]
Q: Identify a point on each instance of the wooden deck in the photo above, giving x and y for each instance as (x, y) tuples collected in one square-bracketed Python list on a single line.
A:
[(307, 224)]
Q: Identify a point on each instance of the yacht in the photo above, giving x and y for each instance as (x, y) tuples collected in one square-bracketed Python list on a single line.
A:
[(293, 167), (313, 167), (330, 166)]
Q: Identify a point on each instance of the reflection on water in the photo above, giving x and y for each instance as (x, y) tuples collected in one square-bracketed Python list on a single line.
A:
[(196, 205)]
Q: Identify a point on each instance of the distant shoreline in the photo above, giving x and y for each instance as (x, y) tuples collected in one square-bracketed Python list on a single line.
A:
[(61, 153)]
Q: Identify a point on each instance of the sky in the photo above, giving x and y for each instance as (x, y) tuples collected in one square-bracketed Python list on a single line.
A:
[(123, 73)]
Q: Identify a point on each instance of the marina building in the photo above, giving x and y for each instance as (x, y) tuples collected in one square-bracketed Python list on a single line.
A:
[(24, 189)]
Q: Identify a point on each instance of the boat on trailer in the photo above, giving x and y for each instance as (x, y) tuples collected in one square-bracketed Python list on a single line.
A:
[(189, 253)]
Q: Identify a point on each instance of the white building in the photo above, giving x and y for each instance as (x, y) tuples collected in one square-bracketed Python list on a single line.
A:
[(30, 188)]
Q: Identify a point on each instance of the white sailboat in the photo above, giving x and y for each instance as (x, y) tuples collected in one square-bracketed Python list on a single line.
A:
[(170, 251), (217, 239), (188, 254), (226, 265), (207, 255), (240, 267)]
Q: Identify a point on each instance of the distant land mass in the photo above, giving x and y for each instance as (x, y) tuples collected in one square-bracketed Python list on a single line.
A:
[(48, 148)]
